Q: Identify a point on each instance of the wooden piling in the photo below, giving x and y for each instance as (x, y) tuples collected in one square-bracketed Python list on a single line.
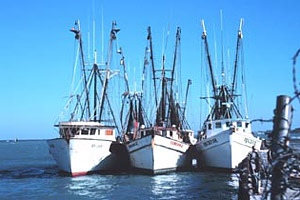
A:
[(280, 138)]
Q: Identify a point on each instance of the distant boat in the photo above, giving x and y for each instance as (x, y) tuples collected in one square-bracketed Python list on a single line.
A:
[(226, 137), (85, 140), (16, 140), (162, 147)]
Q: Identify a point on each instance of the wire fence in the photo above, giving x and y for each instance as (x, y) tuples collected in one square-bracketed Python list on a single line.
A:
[(280, 174)]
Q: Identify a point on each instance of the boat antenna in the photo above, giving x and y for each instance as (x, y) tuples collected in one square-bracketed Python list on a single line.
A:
[(165, 48), (78, 37), (239, 38), (204, 37), (222, 62), (89, 44), (94, 31), (102, 38)]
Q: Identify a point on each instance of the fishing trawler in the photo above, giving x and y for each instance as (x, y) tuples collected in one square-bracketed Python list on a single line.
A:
[(85, 139), (162, 147), (226, 137)]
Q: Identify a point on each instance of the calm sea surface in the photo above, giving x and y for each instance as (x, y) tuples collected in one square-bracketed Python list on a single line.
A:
[(27, 171)]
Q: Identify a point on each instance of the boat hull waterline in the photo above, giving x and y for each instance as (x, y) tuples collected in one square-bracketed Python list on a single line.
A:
[(225, 150), (155, 154), (79, 156)]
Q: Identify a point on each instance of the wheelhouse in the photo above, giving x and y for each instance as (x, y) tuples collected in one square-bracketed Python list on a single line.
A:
[(85, 129), (216, 126)]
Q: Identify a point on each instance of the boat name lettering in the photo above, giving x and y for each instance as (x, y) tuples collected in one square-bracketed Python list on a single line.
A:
[(210, 142), (176, 144), (132, 145), (97, 146), (249, 141)]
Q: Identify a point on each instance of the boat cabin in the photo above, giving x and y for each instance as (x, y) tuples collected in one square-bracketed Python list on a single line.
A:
[(85, 130), (214, 127), (173, 133)]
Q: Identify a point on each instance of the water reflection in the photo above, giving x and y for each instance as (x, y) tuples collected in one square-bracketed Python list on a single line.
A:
[(165, 185), (90, 186), (214, 185)]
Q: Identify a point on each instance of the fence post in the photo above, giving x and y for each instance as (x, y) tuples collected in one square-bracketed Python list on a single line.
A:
[(280, 138)]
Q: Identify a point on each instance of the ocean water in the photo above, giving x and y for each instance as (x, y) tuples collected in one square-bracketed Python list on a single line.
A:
[(27, 171)]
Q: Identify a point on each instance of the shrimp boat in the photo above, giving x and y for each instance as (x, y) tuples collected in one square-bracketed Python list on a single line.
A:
[(85, 139), (226, 137), (162, 147)]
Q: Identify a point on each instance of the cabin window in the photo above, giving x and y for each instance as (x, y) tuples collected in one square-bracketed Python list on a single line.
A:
[(227, 124), (75, 131), (171, 133), (239, 124), (164, 133), (84, 132), (247, 124), (149, 132), (93, 131), (66, 131), (61, 131), (209, 126), (218, 124)]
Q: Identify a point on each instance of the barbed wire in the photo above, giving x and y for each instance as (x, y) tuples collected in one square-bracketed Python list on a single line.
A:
[(261, 120), (286, 163), (289, 163), (297, 93)]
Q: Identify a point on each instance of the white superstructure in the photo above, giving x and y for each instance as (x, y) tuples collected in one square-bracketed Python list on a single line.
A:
[(86, 138), (83, 147), (158, 150), (226, 144), (226, 137)]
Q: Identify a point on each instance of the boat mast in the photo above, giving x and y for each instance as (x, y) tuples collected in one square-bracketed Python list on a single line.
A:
[(204, 37), (113, 37), (222, 62), (161, 111), (146, 62), (175, 56), (95, 70), (177, 43), (239, 38), (127, 92), (149, 37), (122, 62), (186, 96), (78, 37)]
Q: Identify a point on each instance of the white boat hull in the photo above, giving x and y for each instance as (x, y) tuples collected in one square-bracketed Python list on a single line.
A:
[(225, 150), (80, 156), (157, 154)]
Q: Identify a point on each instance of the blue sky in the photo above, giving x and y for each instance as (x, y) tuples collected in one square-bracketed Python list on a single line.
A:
[(37, 52)]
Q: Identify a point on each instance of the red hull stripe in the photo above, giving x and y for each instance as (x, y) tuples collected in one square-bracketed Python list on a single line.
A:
[(79, 173)]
